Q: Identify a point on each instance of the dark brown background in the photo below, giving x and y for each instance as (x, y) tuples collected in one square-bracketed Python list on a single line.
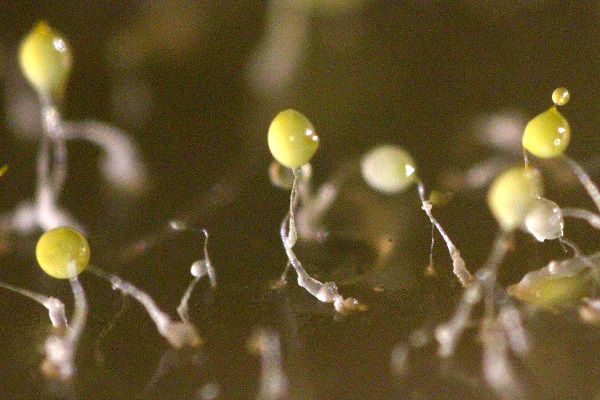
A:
[(417, 73)]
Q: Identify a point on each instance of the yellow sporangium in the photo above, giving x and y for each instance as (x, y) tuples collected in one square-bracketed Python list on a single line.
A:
[(45, 60), (63, 252), (292, 139), (548, 134)]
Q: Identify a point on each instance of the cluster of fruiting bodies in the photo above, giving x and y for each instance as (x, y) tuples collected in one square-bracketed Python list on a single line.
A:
[(515, 198)]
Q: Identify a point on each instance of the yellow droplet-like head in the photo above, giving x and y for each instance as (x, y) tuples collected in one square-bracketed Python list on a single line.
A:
[(388, 168), (513, 194), (547, 135), (561, 96), (292, 139), (45, 60), (63, 252)]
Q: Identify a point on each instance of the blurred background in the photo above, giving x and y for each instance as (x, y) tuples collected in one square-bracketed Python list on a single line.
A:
[(195, 84)]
